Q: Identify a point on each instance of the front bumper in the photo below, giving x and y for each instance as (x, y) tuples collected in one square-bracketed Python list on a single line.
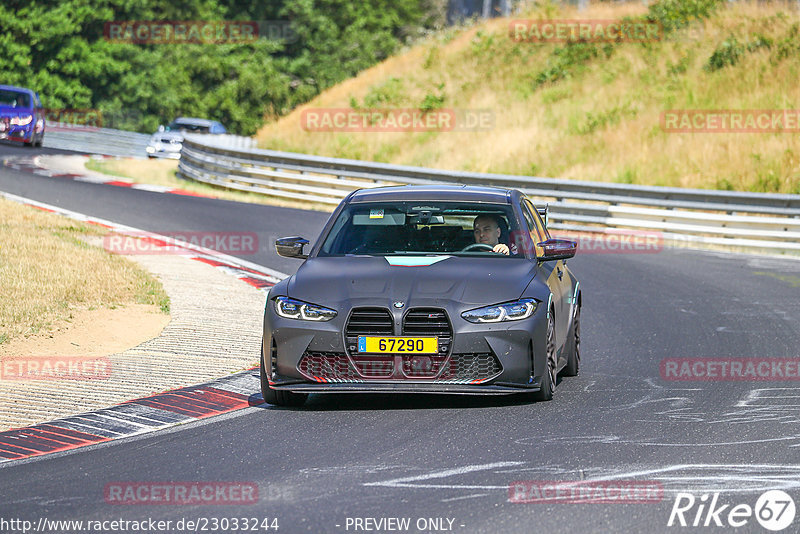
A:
[(513, 345), (164, 151), (409, 387), (21, 134)]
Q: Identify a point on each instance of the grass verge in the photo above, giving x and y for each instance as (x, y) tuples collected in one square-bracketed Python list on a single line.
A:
[(49, 272)]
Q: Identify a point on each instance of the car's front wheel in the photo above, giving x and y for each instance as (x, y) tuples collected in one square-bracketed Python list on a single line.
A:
[(548, 385), (278, 398)]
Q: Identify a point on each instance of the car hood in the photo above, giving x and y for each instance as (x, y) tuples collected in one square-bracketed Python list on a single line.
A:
[(374, 281)]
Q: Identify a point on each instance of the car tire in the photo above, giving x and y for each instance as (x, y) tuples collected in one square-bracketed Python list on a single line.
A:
[(28, 143), (548, 384), (574, 357), (278, 398)]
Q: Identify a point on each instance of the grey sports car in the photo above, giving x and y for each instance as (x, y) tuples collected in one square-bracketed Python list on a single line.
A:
[(424, 289)]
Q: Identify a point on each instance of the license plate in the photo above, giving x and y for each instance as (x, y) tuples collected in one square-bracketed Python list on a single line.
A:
[(398, 345)]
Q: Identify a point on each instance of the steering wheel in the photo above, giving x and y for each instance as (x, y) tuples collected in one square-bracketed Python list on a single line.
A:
[(477, 246)]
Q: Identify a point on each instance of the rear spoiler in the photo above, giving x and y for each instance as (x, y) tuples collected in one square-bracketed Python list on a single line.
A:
[(543, 213)]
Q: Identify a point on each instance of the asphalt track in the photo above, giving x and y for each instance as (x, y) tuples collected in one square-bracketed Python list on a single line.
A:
[(319, 467)]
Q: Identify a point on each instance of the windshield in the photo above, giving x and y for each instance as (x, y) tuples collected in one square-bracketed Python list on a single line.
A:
[(176, 126), (14, 99), (421, 228)]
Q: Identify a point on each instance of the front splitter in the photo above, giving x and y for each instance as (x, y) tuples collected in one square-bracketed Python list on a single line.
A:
[(406, 387)]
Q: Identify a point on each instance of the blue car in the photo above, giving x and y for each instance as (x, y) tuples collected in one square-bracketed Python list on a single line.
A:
[(21, 115)]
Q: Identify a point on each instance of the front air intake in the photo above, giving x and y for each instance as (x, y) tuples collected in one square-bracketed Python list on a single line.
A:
[(369, 322), (427, 322)]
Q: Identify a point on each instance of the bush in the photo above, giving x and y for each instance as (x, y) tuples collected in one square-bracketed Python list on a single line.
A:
[(676, 14), (789, 45), (565, 59), (389, 93), (726, 54), (432, 101)]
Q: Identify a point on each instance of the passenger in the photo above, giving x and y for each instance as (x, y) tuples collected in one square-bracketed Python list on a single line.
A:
[(487, 231)]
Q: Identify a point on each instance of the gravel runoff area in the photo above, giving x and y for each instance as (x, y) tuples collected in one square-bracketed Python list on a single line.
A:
[(215, 329)]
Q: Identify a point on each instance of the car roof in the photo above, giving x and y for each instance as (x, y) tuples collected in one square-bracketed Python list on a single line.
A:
[(15, 88), (195, 122), (471, 193)]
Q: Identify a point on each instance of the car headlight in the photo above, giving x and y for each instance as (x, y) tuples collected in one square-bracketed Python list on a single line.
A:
[(22, 120), (150, 149), (511, 311), (297, 309)]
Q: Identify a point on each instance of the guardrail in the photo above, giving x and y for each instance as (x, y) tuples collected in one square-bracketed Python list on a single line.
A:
[(112, 142), (92, 140), (691, 217)]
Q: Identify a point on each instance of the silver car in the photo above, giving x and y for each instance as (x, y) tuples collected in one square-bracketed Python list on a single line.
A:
[(167, 141)]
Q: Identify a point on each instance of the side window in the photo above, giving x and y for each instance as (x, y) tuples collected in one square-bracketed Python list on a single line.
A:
[(540, 227), (530, 217), (532, 229)]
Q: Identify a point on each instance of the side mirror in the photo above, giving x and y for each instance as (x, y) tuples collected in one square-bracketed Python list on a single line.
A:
[(291, 247), (161, 128), (558, 249)]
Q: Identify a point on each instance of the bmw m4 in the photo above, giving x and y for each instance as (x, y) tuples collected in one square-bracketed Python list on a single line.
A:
[(424, 289)]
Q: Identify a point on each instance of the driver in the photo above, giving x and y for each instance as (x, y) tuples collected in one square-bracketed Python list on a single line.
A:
[(487, 231)]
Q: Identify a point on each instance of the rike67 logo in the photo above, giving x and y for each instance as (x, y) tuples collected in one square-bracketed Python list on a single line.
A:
[(774, 510)]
